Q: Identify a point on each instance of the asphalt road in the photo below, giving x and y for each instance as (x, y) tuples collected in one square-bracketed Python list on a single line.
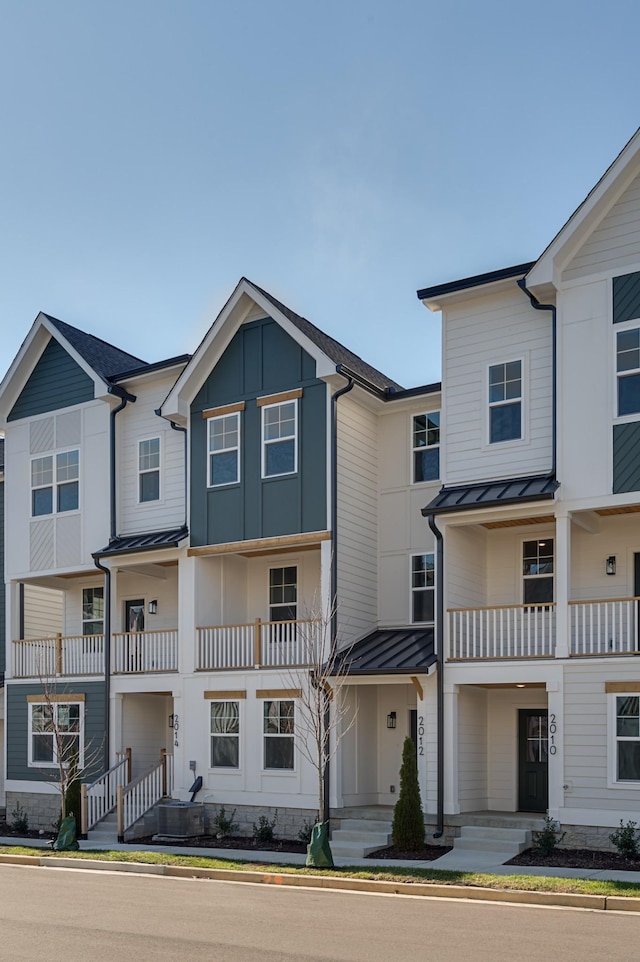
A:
[(81, 916)]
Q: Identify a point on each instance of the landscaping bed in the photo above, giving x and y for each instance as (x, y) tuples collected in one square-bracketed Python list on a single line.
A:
[(241, 842), (427, 854), (583, 858), (8, 831)]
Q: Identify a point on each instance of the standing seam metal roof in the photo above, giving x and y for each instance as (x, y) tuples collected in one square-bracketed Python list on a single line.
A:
[(389, 651), (488, 494)]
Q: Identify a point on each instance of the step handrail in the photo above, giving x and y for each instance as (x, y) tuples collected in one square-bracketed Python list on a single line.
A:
[(140, 795), (100, 797)]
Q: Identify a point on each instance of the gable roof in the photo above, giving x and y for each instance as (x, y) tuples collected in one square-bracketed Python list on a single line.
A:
[(105, 359), (477, 280)]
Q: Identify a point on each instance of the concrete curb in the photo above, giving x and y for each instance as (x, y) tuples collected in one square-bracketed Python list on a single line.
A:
[(599, 903)]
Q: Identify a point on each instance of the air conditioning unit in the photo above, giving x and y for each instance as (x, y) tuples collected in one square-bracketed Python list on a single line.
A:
[(181, 819)]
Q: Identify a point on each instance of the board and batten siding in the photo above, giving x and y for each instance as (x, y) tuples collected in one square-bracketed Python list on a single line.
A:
[(138, 422), (487, 330), (614, 243), (357, 510), (56, 381)]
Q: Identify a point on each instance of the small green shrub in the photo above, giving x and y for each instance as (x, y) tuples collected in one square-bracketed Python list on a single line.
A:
[(264, 830), (304, 835), (223, 824), (19, 819), (408, 821), (625, 840), (548, 838)]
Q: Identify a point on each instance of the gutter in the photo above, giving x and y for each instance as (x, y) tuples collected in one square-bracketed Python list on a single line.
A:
[(125, 398), (535, 303), (439, 640)]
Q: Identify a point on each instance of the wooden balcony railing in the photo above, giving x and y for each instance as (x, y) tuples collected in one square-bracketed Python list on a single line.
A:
[(59, 656), (605, 627), (502, 631), (137, 652), (261, 644)]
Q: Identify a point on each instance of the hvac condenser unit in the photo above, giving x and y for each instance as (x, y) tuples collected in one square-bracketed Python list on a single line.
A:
[(181, 819)]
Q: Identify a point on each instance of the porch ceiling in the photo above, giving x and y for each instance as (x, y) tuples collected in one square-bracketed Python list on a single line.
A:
[(389, 651)]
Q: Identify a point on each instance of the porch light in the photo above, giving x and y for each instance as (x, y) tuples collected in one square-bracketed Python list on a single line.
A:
[(153, 607), (391, 719), (610, 565)]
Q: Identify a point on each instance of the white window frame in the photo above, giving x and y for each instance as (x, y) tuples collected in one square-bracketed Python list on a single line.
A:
[(503, 403), (418, 449), (266, 443), (211, 453), (55, 705), (524, 578), (612, 742), (413, 590), (236, 735), (55, 484), (142, 471), (623, 328), (265, 735)]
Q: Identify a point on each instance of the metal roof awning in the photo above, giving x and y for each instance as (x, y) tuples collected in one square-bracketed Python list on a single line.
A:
[(150, 541), (492, 494), (389, 651)]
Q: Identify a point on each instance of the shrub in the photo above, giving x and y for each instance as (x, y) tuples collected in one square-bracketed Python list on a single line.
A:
[(19, 819), (549, 837), (625, 840), (304, 835), (264, 830), (223, 824), (408, 822)]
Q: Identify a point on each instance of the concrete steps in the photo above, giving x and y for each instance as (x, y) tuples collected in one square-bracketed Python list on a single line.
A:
[(358, 837), (492, 838), (105, 832)]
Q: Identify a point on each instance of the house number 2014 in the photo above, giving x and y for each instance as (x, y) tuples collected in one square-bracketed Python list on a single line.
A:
[(553, 730), (420, 734)]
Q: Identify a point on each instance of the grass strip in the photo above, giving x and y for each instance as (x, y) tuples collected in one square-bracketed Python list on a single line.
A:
[(520, 883)]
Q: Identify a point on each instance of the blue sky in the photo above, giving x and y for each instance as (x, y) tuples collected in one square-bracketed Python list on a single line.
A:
[(341, 155)]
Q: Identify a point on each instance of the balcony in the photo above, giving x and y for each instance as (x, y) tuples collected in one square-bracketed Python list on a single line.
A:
[(260, 644), (59, 656), (502, 631), (143, 652), (604, 627)]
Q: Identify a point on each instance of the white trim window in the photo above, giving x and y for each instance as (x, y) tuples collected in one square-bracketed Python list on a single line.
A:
[(148, 470), (628, 371), (423, 579), (279, 439), (278, 735), (626, 736), (505, 402), (225, 734), (425, 440), (93, 611), (537, 572), (223, 450), (56, 733), (55, 484)]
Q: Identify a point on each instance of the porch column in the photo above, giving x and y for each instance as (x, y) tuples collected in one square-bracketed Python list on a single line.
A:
[(426, 741), (555, 706), (187, 615), (115, 719), (451, 761), (183, 777), (563, 584), (325, 600), (12, 622)]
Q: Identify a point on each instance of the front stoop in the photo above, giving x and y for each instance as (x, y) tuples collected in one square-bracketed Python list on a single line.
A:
[(105, 832), (508, 842), (358, 837)]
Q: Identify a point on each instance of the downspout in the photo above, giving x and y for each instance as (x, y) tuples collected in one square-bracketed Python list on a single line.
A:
[(178, 427), (334, 567), (536, 305), (126, 397), (107, 658), (440, 675)]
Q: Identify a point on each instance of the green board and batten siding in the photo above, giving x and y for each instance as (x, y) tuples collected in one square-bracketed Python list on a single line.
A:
[(626, 437), (2, 586), (56, 381), (17, 723), (260, 360)]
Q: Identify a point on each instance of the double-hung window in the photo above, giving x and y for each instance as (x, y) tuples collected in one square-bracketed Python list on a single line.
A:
[(278, 728), (149, 470), (628, 371), (627, 738), (283, 593), (279, 439), (422, 587), (55, 734), (505, 402), (426, 447), (55, 483), (224, 449), (225, 734), (92, 611), (537, 571)]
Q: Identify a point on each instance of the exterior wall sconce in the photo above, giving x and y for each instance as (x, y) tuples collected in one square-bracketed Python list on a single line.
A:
[(610, 565), (391, 719), (153, 607)]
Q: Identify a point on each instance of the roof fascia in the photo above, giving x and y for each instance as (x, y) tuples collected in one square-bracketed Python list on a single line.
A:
[(441, 301)]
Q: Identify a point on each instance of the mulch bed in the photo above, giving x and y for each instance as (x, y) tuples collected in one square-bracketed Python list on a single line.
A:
[(426, 854), (7, 831), (230, 842), (584, 858)]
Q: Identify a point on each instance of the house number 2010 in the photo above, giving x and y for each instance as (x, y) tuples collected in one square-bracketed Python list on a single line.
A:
[(553, 730), (420, 734)]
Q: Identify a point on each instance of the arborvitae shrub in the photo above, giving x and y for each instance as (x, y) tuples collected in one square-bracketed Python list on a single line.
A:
[(408, 823)]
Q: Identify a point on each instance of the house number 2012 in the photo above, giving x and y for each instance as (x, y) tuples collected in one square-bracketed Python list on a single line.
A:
[(420, 734), (553, 730)]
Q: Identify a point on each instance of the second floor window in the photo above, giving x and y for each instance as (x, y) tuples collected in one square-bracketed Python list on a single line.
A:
[(279, 439), (92, 611), (283, 593), (505, 402), (149, 470), (537, 572), (55, 483), (628, 371), (422, 587), (224, 450), (426, 447)]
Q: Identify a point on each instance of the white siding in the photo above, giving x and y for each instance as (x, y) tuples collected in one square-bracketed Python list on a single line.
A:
[(145, 729), (504, 561), (503, 707), (472, 749), (477, 333), (43, 612), (466, 567), (615, 242), (589, 581)]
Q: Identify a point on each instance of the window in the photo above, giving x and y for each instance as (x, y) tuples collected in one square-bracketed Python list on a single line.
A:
[(283, 594), (55, 730), (627, 738), (505, 402), (279, 439), (54, 483), (224, 450), (537, 571), (278, 735), (426, 447), (149, 470), (92, 611), (628, 371), (225, 734), (422, 587)]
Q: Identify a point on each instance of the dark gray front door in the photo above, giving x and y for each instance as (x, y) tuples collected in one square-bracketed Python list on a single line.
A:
[(533, 755)]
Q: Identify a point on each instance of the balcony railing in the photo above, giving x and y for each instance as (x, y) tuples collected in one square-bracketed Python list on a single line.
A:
[(137, 652), (504, 631), (261, 644), (604, 627), (60, 656)]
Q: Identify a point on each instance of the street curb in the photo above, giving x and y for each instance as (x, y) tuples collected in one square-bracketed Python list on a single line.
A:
[(599, 903)]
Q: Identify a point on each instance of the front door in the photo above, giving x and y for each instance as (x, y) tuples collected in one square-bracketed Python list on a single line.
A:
[(533, 755)]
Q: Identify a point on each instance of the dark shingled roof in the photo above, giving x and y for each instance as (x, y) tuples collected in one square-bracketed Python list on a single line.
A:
[(144, 542), (389, 651), (332, 348), (105, 359), (489, 494)]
